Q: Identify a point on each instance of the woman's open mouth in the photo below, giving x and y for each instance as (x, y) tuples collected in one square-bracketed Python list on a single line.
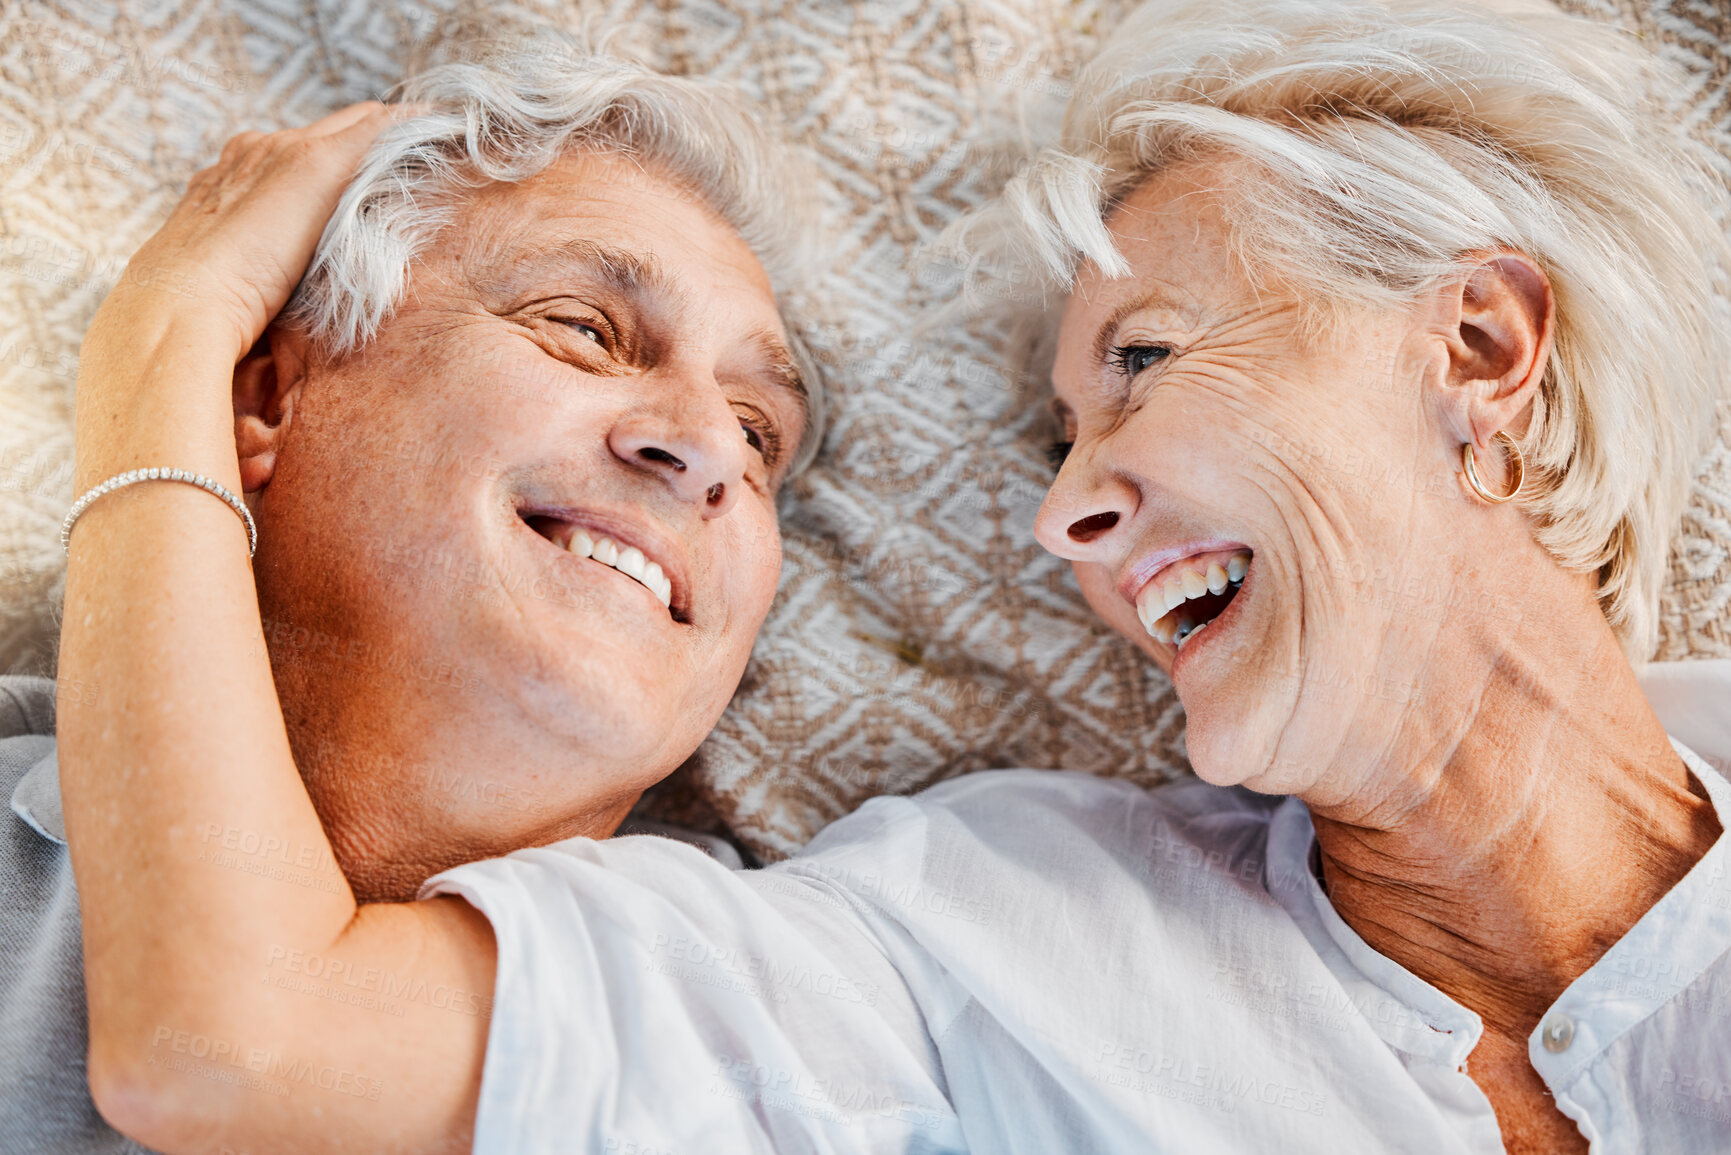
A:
[(1188, 594)]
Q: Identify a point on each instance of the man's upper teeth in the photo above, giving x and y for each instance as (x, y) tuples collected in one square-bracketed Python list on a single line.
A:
[(629, 561), (1156, 603)]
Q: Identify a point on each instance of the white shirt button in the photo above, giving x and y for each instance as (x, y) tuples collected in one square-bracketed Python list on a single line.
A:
[(1557, 1033)]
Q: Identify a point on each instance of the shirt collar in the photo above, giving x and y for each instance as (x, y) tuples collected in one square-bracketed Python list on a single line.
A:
[(1664, 952), (1408, 1013), (36, 799), (1681, 934)]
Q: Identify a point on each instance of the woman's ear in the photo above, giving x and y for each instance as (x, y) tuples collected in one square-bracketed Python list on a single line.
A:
[(1496, 322), (267, 384)]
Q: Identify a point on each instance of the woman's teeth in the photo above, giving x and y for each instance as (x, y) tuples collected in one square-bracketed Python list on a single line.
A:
[(628, 561), (1163, 607)]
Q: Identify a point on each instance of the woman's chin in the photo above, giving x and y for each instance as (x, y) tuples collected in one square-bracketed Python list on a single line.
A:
[(1228, 748), (1215, 775)]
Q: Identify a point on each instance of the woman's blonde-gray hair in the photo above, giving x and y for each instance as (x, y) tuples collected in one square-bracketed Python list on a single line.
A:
[(508, 110), (1388, 142)]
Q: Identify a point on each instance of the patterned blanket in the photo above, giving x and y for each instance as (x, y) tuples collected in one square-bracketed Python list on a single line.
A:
[(920, 632)]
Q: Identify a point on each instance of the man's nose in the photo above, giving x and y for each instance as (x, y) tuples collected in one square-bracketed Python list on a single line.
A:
[(1082, 509), (695, 444)]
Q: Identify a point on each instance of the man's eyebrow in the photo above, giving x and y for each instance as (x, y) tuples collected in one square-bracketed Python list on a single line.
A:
[(783, 369), (639, 274), (1153, 298), (635, 274)]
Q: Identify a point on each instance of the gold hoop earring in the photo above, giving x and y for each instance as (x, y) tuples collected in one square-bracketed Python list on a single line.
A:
[(1472, 473)]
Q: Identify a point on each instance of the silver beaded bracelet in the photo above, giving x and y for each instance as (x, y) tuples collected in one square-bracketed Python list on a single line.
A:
[(134, 476)]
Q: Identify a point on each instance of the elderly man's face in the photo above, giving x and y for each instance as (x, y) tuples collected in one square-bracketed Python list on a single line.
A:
[(591, 354), (1210, 439)]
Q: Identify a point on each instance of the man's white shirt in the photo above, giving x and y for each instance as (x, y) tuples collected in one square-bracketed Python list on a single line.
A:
[(1035, 961)]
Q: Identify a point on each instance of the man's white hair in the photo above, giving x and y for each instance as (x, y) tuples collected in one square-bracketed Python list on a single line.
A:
[(1372, 148), (506, 113)]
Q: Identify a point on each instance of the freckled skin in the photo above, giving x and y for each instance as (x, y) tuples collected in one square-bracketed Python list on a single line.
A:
[(474, 693), (1494, 800)]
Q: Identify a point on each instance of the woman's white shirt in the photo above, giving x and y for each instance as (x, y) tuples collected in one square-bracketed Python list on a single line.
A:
[(1034, 961)]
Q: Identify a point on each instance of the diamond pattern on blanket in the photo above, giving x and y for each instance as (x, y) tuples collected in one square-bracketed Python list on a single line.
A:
[(920, 632)]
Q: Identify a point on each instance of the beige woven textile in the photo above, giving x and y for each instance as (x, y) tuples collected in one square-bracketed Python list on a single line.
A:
[(920, 632)]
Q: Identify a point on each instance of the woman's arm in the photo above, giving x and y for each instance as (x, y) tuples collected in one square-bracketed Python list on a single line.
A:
[(182, 799)]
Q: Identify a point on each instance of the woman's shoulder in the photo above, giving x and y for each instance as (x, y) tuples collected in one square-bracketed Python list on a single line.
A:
[(1042, 805), (1002, 839)]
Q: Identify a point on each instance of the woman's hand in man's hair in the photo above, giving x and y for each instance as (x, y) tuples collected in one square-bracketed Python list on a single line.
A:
[(243, 234)]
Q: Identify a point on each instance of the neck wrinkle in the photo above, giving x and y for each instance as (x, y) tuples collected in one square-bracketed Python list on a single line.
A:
[(397, 813), (1502, 870)]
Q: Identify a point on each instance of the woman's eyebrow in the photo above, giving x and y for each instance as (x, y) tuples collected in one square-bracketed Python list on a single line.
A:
[(1155, 298)]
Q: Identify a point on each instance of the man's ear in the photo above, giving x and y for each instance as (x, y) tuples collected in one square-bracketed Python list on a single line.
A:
[(267, 385), (1496, 322)]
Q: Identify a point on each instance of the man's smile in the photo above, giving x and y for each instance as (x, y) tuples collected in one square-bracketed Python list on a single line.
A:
[(626, 549)]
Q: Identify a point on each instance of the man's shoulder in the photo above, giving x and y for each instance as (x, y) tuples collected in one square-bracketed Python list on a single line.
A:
[(44, 1103), (26, 705), (26, 739), (35, 877)]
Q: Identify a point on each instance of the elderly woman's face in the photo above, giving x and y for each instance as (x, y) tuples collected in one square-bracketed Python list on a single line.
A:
[(1212, 443)]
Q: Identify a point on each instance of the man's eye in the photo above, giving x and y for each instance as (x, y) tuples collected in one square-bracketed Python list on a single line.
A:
[(763, 439), (592, 332), (1132, 359)]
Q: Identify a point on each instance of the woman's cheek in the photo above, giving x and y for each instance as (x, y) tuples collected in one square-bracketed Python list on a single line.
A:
[(1097, 587)]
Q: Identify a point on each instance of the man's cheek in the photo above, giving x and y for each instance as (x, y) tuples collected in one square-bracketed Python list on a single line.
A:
[(754, 571), (762, 540)]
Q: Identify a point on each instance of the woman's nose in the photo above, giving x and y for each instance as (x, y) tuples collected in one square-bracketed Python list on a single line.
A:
[(1079, 514), (697, 448)]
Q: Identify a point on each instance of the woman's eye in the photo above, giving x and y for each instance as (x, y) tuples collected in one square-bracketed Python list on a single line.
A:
[(752, 437), (1058, 452), (1132, 359)]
